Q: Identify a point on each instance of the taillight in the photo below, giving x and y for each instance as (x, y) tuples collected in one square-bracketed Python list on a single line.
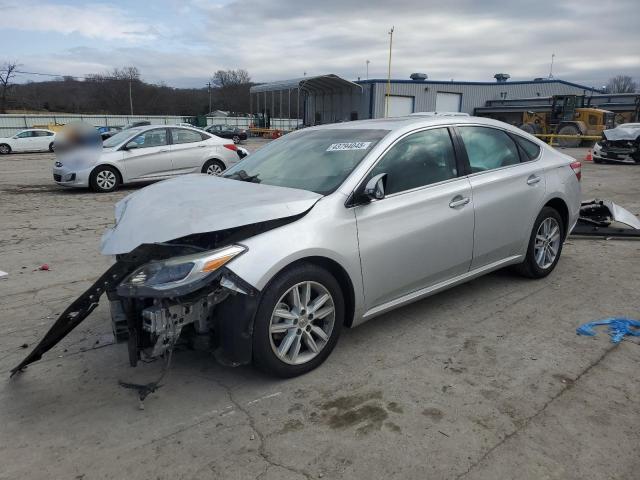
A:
[(576, 167), (231, 146)]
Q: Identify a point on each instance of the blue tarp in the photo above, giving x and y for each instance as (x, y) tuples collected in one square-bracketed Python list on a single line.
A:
[(618, 328)]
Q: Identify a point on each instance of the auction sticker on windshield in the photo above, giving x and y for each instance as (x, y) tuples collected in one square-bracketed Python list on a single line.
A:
[(341, 147)]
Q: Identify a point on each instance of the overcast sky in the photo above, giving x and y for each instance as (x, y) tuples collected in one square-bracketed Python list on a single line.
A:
[(182, 42)]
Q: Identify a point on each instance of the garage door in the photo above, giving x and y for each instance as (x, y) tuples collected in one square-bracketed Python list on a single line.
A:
[(448, 102), (400, 106)]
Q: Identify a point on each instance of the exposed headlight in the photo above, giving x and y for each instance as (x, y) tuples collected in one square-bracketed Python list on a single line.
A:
[(181, 271)]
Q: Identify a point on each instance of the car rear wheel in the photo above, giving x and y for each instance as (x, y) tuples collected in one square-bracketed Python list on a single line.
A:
[(236, 139), (213, 167), (104, 179), (298, 321), (5, 149), (51, 147), (545, 245)]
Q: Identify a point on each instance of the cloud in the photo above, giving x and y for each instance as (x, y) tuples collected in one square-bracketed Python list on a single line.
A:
[(273, 40), (94, 21)]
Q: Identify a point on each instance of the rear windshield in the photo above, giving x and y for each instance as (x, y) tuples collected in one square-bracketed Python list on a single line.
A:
[(315, 160)]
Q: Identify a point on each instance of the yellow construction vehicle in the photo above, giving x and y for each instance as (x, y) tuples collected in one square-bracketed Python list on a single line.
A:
[(568, 116)]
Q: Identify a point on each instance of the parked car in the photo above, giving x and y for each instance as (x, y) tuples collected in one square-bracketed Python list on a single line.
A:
[(29, 140), (226, 131), (327, 228), (145, 153), (107, 132), (619, 145)]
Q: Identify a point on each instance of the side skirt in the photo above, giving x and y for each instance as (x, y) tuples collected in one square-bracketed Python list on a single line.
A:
[(438, 287)]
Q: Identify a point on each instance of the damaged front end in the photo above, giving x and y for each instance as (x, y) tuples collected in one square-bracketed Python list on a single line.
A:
[(161, 293), (597, 218), (620, 145)]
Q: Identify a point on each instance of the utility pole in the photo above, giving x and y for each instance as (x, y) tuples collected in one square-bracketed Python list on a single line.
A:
[(386, 110), (209, 86), (368, 62), (130, 97), (551, 69)]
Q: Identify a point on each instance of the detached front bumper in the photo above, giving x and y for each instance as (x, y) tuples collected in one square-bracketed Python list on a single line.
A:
[(219, 315)]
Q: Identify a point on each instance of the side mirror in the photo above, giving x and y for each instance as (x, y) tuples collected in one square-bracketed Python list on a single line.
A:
[(131, 146), (375, 188)]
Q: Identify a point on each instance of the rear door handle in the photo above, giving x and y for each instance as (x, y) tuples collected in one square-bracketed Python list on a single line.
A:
[(162, 151), (201, 146), (533, 179), (459, 201)]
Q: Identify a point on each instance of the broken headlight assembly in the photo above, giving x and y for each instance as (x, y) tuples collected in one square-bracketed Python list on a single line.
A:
[(179, 275)]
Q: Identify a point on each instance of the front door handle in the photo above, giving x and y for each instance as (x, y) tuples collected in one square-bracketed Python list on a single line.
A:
[(163, 151), (533, 179), (459, 201)]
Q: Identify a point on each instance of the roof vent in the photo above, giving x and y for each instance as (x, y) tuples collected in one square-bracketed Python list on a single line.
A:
[(418, 77), (502, 77), (538, 79)]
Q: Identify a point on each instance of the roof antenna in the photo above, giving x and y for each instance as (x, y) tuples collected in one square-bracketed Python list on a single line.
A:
[(551, 69)]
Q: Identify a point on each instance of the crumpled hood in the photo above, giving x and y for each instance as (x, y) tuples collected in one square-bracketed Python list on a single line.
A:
[(622, 133), (198, 203)]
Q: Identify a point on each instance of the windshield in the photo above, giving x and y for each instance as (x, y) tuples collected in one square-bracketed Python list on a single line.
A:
[(120, 137), (315, 160)]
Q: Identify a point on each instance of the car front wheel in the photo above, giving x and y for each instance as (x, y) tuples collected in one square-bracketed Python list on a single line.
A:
[(104, 179), (236, 139), (298, 321), (545, 245), (5, 149)]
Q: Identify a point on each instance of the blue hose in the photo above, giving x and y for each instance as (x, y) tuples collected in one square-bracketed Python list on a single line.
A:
[(618, 328)]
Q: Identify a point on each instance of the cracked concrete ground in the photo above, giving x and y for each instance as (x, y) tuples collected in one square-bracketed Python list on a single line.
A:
[(485, 381)]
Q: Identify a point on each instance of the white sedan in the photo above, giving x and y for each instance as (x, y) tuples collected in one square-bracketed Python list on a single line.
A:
[(30, 140), (143, 154)]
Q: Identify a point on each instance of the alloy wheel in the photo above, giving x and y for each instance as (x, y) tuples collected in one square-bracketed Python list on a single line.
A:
[(106, 179), (4, 149), (214, 169), (547, 243), (302, 322)]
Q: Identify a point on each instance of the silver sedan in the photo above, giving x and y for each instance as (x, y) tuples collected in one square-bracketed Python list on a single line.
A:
[(327, 228), (142, 154)]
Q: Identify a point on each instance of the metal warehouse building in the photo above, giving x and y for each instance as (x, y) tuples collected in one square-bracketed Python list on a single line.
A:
[(330, 98)]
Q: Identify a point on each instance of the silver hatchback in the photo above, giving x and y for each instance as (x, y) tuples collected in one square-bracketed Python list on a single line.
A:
[(326, 228)]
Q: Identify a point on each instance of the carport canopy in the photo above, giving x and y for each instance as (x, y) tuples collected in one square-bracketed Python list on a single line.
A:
[(318, 84)]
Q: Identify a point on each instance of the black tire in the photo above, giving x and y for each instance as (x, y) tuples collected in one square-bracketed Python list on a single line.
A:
[(597, 160), (236, 139), (530, 268), (264, 356), (213, 167), (569, 142), (97, 179), (4, 149), (51, 147)]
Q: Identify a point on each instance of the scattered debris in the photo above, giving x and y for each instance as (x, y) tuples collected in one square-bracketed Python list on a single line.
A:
[(44, 267), (618, 328), (3, 274), (596, 217), (24, 345), (440, 431)]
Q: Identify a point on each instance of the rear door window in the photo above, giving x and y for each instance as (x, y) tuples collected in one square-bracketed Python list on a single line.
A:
[(180, 135), (488, 148), (529, 149)]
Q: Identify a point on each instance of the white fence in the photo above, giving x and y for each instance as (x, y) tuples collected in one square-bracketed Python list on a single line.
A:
[(10, 124)]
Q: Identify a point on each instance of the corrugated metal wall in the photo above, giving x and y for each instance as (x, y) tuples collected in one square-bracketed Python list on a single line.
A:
[(473, 96), (338, 106)]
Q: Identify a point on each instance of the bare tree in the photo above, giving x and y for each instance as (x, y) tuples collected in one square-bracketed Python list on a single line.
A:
[(7, 72), (621, 84), (228, 78)]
